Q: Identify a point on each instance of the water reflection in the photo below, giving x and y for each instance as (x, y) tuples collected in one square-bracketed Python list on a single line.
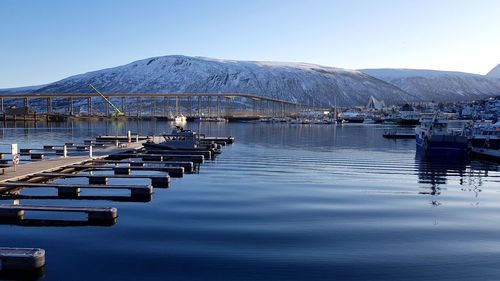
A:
[(433, 176)]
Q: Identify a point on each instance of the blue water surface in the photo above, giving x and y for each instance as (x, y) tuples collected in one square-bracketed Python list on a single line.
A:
[(285, 202)]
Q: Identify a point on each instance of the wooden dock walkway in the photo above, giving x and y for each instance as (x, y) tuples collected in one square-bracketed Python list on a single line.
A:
[(48, 165), (28, 169)]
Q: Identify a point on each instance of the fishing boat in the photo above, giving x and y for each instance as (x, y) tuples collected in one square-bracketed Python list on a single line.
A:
[(486, 135), (441, 138)]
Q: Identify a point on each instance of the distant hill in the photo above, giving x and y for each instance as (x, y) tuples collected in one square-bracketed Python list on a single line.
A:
[(439, 85), (22, 89)]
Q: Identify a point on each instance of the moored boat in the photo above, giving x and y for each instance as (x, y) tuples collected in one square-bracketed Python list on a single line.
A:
[(409, 118), (353, 117), (180, 139), (486, 135), (442, 139)]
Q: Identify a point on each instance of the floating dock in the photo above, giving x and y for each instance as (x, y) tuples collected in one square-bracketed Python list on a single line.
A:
[(157, 181), (105, 153), (22, 258), (99, 215)]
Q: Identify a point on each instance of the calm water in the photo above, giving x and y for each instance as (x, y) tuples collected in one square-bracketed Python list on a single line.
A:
[(285, 202)]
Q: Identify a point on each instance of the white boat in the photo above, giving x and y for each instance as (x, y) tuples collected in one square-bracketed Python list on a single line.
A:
[(353, 117), (180, 119), (409, 118)]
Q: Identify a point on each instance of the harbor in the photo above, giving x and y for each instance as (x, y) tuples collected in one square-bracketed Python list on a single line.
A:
[(250, 140), (104, 153), (187, 209)]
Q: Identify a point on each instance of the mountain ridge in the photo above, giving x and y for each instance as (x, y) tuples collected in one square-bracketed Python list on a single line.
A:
[(494, 72), (297, 82)]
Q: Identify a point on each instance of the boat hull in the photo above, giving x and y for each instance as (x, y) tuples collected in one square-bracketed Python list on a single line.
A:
[(443, 147), (484, 143), (487, 154), (165, 146), (354, 120)]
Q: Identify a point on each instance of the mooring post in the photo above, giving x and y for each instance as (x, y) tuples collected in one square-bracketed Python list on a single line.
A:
[(129, 136), (90, 151), (65, 151)]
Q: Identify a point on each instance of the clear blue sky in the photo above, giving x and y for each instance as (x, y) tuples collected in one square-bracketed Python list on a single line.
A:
[(44, 41)]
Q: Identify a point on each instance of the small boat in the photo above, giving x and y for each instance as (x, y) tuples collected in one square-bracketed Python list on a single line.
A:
[(409, 118), (181, 139), (180, 119), (353, 117)]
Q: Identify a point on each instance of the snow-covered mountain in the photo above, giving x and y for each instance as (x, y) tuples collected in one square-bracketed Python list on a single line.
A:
[(439, 85), (495, 72), (299, 82)]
